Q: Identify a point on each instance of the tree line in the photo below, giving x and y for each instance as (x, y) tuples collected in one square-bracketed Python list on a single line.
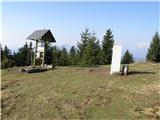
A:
[(88, 52)]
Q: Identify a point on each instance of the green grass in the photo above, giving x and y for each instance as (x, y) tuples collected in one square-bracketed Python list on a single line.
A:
[(82, 93)]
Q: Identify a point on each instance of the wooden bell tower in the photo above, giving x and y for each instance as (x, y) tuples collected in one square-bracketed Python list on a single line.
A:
[(41, 37)]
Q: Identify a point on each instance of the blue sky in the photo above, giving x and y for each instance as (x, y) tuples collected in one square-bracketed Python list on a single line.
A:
[(133, 23)]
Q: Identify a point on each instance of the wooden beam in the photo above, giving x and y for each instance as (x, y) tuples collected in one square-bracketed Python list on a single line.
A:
[(43, 59), (34, 59), (31, 57)]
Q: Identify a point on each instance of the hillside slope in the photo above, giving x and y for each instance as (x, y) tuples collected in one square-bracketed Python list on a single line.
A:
[(82, 93)]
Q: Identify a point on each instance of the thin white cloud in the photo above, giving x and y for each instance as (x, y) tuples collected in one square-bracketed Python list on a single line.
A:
[(143, 44)]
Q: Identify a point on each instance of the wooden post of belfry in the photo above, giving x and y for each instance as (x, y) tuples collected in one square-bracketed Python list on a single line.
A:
[(43, 59), (31, 58), (34, 60)]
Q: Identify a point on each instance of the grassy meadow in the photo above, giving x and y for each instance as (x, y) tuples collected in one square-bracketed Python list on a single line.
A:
[(81, 93)]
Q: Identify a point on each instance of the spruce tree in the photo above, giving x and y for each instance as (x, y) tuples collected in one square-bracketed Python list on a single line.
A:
[(1, 52), (107, 45), (48, 53), (91, 53), (82, 44), (6, 51), (127, 58), (6, 58), (73, 56), (22, 56), (55, 56), (153, 54), (59, 56), (30, 54), (98, 53), (64, 60)]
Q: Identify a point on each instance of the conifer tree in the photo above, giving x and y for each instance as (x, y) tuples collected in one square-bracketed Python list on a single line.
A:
[(30, 54), (59, 56), (55, 56), (98, 53), (22, 56), (73, 56), (48, 53), (127, 58), (1, 52), (64, 60), (82, 44), (6, 58), (107, 45), (91, 53), (153, 54)]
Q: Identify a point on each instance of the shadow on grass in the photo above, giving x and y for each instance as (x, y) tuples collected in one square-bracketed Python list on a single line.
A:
[(140, 72)]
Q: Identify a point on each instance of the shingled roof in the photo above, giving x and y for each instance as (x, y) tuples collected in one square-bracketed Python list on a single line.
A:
[(45, 35)]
